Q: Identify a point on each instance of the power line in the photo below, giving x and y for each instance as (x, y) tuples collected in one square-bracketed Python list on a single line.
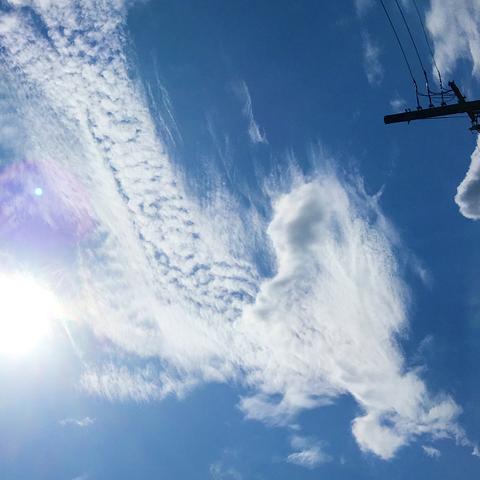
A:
[(416, 50), (402, 50), (462, 107), (410, 34), (430, 49)]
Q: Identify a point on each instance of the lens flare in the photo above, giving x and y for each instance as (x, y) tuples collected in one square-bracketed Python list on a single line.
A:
[(27, 311)]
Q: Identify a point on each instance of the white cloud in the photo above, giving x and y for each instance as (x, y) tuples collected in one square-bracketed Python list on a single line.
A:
[(376, 437), (80, 422), (254, 133), (455, 29), (468, 192), (431, 452), (168, 288), (309, 452), (333, 244), (371, 60)]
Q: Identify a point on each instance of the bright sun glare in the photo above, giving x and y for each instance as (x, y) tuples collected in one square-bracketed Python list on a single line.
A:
[(26, 312)]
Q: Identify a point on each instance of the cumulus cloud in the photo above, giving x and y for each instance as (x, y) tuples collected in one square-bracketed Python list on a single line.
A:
[(309, 452), (243, 93), (77, 422), (371, 60), (168, 288), (431, 452)]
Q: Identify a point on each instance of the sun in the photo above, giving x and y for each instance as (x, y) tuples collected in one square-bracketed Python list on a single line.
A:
[(27, 310)]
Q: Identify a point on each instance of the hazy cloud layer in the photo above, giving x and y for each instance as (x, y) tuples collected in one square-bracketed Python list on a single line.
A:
[(371, 60), (169, 289)]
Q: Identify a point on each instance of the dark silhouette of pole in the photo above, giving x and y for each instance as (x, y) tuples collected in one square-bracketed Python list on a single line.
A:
[(462, 100), (472, 109)]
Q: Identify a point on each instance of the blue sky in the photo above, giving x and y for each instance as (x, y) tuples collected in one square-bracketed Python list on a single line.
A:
[(216, 261)]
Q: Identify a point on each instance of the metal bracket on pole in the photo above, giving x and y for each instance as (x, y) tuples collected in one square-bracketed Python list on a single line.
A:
[(472, 109)]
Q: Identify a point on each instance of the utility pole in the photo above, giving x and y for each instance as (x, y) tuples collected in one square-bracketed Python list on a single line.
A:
[(472, 109)]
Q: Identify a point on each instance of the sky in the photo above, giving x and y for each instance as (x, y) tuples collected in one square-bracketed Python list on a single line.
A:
[(216, 261)]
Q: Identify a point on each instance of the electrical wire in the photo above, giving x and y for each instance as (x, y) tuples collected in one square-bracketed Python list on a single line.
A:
[(403, 52), (410, 34), (416, 50), (427, 41)]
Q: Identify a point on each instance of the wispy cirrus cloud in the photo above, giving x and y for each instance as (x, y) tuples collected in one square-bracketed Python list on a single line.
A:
[(308, 452), (169, 288), (77, 422), (117, 382), (243, 93)]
